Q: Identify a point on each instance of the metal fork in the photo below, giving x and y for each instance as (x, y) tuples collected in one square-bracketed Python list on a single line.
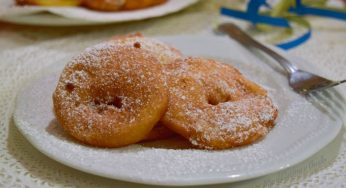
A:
[(301, 81)]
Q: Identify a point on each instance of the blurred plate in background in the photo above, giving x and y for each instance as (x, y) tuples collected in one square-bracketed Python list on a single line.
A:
[(68, 16)]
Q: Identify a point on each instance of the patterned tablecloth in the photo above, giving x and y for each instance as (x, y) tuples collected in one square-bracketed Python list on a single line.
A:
[(21, 165)]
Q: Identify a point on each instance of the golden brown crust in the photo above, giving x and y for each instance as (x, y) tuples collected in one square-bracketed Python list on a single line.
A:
[(159, 132), (111, 96), (214, 106), (166, 54)]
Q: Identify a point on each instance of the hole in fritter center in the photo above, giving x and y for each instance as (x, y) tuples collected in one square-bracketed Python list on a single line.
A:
[(101, 105), (116, 102)]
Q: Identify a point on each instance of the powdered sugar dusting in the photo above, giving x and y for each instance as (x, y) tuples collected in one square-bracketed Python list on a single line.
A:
[(300, 125), (214, 106), (163, 165), (107, 88)]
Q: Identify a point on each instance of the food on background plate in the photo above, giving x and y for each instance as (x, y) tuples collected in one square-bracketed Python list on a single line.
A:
[(132, 88), (99, 5), (104, 5), (50, 2), (115, 5), (139, 4)]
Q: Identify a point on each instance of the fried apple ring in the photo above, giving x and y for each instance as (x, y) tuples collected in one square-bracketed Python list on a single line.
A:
[(111, 96), (214, 106), (163, 52)]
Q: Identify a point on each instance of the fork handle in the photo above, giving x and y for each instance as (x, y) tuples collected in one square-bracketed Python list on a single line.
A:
[(236, 33)]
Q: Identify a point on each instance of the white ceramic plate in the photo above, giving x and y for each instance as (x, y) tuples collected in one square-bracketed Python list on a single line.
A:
[(64, 16), (301, 130)]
